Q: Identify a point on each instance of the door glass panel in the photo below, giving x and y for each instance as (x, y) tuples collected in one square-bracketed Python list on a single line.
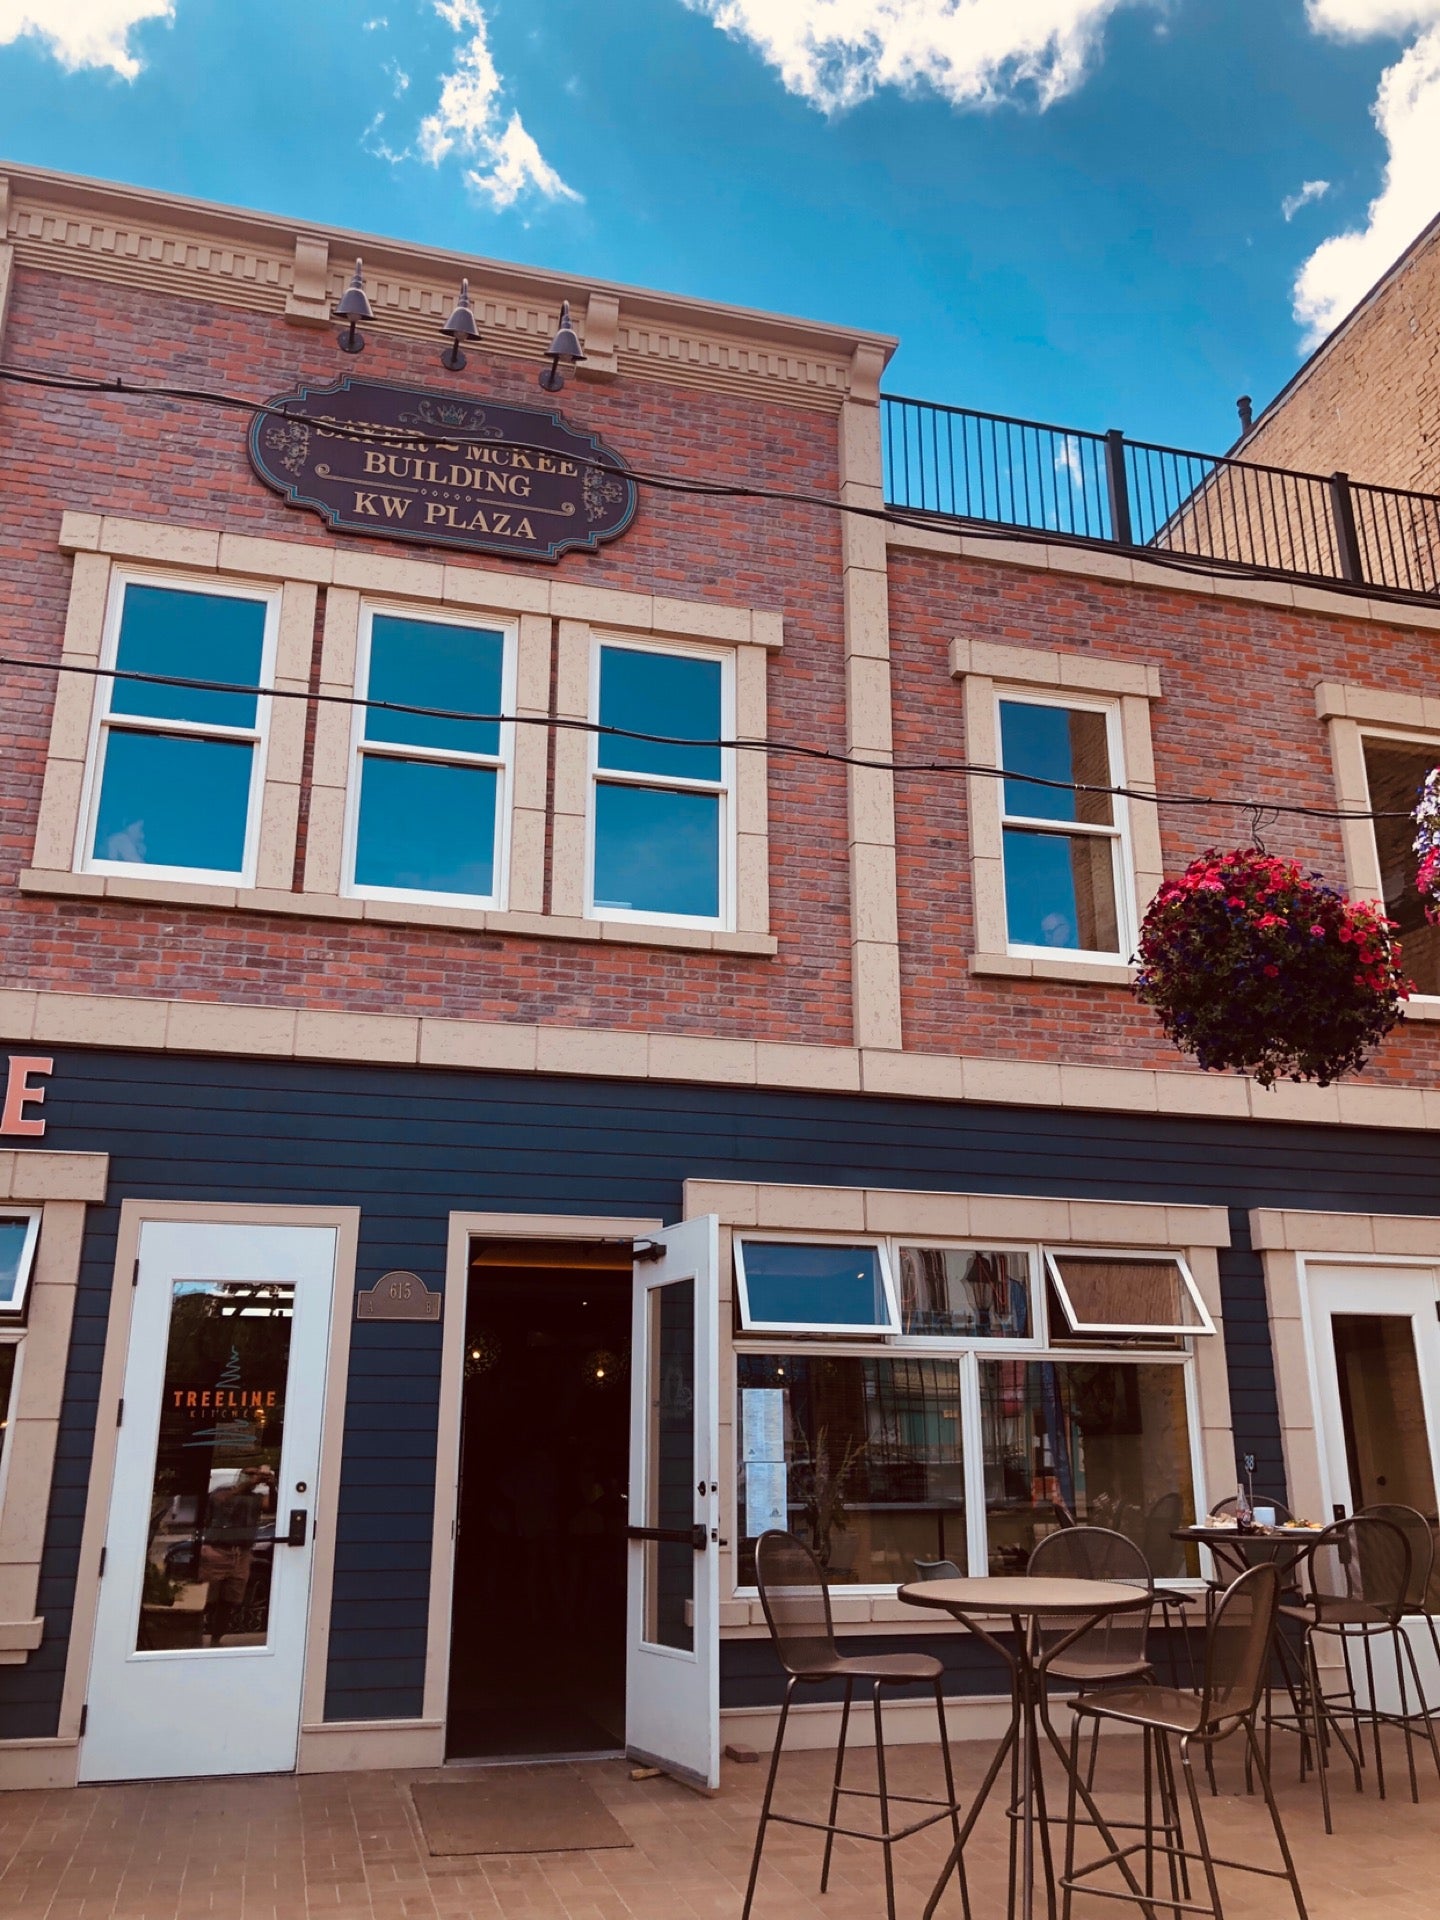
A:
[(670, 1454), (211, 1538), (1387, 1443)]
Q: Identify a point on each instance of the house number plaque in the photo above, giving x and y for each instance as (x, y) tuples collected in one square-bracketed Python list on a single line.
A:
[(398, 1296)]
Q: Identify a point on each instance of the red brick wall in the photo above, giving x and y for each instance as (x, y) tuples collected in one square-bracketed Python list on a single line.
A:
[(187, 464), (1237, 718)]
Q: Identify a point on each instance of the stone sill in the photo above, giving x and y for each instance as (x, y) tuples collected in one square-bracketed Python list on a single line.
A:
[(19, 1639), (1086, 973), (394, 913)]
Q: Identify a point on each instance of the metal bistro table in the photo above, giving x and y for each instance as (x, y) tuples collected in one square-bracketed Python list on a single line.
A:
[(1023, 1600)]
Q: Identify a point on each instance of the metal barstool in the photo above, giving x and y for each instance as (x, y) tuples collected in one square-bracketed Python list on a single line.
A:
[(1420, 1595), (1237, 1651), (797, 1611), (1357, 1577)]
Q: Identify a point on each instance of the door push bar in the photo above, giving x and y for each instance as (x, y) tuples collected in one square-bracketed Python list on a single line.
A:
[(695, 1536)]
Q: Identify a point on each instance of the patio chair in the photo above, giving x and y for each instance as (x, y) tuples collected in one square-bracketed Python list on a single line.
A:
[(1357, 1574), (1237, 1650), (1421, 1595), (938, 1570), (796, 1600)]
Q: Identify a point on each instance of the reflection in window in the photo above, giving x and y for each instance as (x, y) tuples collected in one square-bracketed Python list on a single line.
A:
[(1110, 1294), (1061, 847), (1395, 772), (962, 1291), (9, 1353), (659, 806), (861, 1456), (19, 1235), (1103, 1443), (429, 805), (211, 1542), (812, 1286), (177, 764)]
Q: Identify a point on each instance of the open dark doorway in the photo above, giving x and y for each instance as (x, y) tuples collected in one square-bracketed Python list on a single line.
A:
[(537, 1646)]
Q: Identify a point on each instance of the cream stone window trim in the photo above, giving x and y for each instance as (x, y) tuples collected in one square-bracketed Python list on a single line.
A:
[(1352, 715), (987, 672), (577, 650), (842, 1213), (134, 1214), (1285, 1239), (71, 765), (401, 913), (58, 1186)]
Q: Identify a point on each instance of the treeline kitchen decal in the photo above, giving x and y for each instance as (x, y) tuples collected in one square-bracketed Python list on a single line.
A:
[(412, 465)]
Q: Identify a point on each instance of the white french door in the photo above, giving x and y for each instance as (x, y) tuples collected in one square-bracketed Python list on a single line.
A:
[(672, 1669), (1375, 1344), (199, 1653)]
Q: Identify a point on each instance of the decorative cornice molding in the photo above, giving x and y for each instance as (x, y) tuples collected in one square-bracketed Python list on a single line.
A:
[(191, 249)]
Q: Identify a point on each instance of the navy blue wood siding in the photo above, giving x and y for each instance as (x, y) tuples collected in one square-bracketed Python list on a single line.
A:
[(409, 1146)]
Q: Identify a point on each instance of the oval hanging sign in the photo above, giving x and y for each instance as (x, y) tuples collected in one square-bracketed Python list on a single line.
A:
[(408, 464)]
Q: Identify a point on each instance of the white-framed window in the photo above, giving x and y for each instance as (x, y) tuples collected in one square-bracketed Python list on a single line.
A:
[(176, 773), (1068, 871), (19, 1235), (971, 1445), (814, 1286), (661, 827), (428, 815), (1145, 1294), (1395, 770)]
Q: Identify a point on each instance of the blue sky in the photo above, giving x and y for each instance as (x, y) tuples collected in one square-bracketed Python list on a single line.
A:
[(1073, 210)]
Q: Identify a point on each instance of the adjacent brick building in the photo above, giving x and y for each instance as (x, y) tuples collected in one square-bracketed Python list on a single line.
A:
[(426, 922)]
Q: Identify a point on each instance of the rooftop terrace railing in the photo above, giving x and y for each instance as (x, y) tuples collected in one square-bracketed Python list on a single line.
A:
[(955, 464)]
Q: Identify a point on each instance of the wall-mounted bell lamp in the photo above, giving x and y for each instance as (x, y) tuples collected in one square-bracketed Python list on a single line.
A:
[(565, 347), (354, 308), (459, 327)]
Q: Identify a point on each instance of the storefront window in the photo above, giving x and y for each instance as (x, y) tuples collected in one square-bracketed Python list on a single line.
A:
[(859, 1457), (961, 1292), (212, 1510), (804, 1286), (1103, 1443), (19, 1234)]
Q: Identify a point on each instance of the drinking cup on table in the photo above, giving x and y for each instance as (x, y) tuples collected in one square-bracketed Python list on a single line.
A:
[(1264, 1516)]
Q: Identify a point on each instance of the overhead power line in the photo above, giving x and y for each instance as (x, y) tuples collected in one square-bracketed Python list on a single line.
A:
[(780, 749)]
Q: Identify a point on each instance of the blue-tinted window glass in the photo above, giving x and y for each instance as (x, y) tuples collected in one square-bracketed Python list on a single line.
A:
[(674, 694), (13, 1235), (167, 801), (199, 636), (657, 851), (426, 827), (814, 1285), (1055, 743), (1060, 891), (429, 663)]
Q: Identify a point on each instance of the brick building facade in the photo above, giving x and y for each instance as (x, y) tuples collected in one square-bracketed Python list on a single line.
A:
[(854, 1060)]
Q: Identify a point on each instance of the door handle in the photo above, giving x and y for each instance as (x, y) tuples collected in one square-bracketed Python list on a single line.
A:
[(695, 1536), (296, 1536)]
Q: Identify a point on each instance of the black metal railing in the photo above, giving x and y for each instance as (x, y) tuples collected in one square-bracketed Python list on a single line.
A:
[(955, 464)]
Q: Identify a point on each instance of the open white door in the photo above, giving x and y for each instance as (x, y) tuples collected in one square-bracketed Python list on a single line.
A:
[(1375, 1343), (672, 1672)]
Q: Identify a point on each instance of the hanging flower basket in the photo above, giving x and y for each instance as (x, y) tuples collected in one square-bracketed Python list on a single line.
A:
[(1427, 845), (1255, 965)]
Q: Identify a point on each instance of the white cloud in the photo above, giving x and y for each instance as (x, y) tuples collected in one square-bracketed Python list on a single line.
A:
[(834, 53), (469, 123), (83, 33), (1407, 112), (1309, 190)]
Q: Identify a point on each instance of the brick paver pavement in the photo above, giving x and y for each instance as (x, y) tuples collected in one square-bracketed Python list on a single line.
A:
[(349, 1847)]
